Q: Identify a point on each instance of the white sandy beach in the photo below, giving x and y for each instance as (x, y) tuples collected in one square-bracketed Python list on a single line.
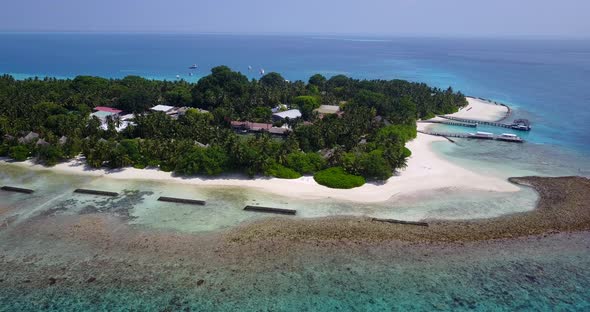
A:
[(481, 110), (426, 171)]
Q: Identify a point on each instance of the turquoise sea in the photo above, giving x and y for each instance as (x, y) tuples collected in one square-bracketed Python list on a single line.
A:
[(545, 81)]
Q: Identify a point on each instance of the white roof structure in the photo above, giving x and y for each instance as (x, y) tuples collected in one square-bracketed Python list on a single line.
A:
[(128, 117), (162, 108), (328, 109), (291, 114)]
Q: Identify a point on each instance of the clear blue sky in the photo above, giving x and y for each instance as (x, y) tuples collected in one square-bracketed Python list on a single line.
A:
[(381, 17)]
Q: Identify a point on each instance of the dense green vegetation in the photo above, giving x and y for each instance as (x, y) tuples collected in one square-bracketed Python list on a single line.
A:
[(367, 140), (337, 177)]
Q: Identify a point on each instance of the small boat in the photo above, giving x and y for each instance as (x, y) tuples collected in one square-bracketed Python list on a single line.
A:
[(482, 135), (190, 74), (194, 66), (509, 137), (250, 68), (521, 127), (521, 124), (262, 71), (177, 76)]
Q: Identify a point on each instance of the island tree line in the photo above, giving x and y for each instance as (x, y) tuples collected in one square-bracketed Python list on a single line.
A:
[(367, 140)]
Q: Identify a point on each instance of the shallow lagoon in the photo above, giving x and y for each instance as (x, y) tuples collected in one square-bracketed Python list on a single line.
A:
[(138, 202)]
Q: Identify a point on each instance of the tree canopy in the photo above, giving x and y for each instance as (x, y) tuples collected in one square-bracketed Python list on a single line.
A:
[(368, 140)]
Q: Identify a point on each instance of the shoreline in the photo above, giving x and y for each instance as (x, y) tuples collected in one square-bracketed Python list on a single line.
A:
[(426, 171), (483, 110), (563, 207), (506, 115)]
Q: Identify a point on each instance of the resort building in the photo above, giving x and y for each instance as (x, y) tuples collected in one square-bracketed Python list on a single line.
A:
[(173, 111), (251, 126), (254, 127), (29, 138), (328, 110), (107, 109), (164, 109), (102, 112), (290, 114)]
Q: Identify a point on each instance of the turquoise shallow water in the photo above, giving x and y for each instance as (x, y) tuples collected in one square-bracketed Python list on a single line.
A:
[(138, 202)]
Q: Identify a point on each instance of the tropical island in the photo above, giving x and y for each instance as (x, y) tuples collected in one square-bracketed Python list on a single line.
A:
[(341, 130)]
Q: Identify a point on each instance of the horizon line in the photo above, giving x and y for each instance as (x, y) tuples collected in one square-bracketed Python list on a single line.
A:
[(296, 34)]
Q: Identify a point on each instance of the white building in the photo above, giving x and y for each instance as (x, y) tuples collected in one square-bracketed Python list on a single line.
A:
[(163, 108), (291, 114)]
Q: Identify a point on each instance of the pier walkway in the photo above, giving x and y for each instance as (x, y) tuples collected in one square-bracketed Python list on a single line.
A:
[(515, 126), (472, 136), (451, 123)]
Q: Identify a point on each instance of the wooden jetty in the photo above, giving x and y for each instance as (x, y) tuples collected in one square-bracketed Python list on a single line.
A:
[(182, 200), (523, 125), (271, 210), (95, 192), (446, 134), (490, 136), (16, 189), (451, 123), (400, 222)]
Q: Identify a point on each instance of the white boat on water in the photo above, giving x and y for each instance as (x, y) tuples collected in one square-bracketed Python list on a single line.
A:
[(262, 71), (194, 66), (482, 135), (521, 127), (509, 137)]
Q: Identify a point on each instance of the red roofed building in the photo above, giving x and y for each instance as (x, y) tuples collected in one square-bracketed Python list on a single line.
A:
[(107, 109), (259, 127)]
